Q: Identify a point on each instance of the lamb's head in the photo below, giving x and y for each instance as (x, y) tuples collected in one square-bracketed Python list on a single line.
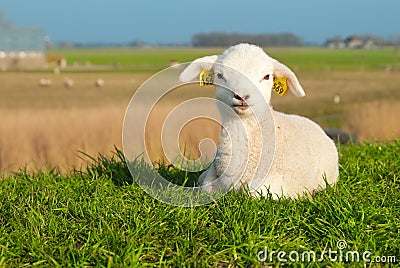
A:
[(244, 77)]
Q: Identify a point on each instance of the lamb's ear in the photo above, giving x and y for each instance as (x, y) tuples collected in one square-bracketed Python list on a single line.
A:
[(281, 70), (196, 66)]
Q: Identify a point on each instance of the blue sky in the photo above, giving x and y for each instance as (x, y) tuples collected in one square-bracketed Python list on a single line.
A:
[(172, 21)]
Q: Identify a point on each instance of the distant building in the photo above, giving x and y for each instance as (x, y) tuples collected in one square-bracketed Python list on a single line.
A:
[(22, 47), (354, 42), (372, 43)]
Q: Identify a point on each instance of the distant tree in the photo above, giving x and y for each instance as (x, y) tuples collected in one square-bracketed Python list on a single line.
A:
[(137, 43), (334, 40), (218, 39)]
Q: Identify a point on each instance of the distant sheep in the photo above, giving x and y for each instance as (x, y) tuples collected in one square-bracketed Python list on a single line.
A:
[(99, 82), (56, 71), (68, 82), (44, 82), (302, 160), (336, 99)]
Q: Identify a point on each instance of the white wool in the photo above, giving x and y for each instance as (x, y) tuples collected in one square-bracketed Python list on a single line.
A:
[(99, 82), (279, 154)]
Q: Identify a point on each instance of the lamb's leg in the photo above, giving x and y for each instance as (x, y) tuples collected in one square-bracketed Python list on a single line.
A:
[(206, 178)]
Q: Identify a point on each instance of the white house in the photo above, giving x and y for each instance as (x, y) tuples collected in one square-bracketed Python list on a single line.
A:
[(21, 47)]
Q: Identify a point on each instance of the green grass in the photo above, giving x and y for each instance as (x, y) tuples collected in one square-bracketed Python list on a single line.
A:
[(310, 59), (98, 217), (316, 59), (132, 59)]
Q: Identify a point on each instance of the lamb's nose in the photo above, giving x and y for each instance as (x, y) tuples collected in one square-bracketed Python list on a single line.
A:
[(236, 96)]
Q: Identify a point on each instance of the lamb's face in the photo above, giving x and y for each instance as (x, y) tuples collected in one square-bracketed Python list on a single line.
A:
[(244, 78)]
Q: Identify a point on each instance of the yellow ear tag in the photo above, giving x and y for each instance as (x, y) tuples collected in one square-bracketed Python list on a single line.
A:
[(280, 85), (206, 77)]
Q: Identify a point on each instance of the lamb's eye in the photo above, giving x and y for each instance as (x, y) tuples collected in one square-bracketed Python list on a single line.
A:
[(266, 77), (220, 76)]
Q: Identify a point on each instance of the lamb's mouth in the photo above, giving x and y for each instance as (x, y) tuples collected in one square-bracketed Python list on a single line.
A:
[(242, 107)]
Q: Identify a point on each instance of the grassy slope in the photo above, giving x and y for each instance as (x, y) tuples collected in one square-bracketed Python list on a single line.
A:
[(99, 218)]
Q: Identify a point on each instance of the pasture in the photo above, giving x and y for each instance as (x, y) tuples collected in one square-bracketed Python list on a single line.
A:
[(48, 126), (307, 59), (59, 207)]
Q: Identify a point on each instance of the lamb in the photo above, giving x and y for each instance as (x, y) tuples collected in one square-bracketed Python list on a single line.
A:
[(262, 150)]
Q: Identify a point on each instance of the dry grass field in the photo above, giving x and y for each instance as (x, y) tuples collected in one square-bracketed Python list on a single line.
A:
[(48, 126)]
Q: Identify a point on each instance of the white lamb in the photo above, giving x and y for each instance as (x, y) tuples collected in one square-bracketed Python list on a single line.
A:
[(265, 151)]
